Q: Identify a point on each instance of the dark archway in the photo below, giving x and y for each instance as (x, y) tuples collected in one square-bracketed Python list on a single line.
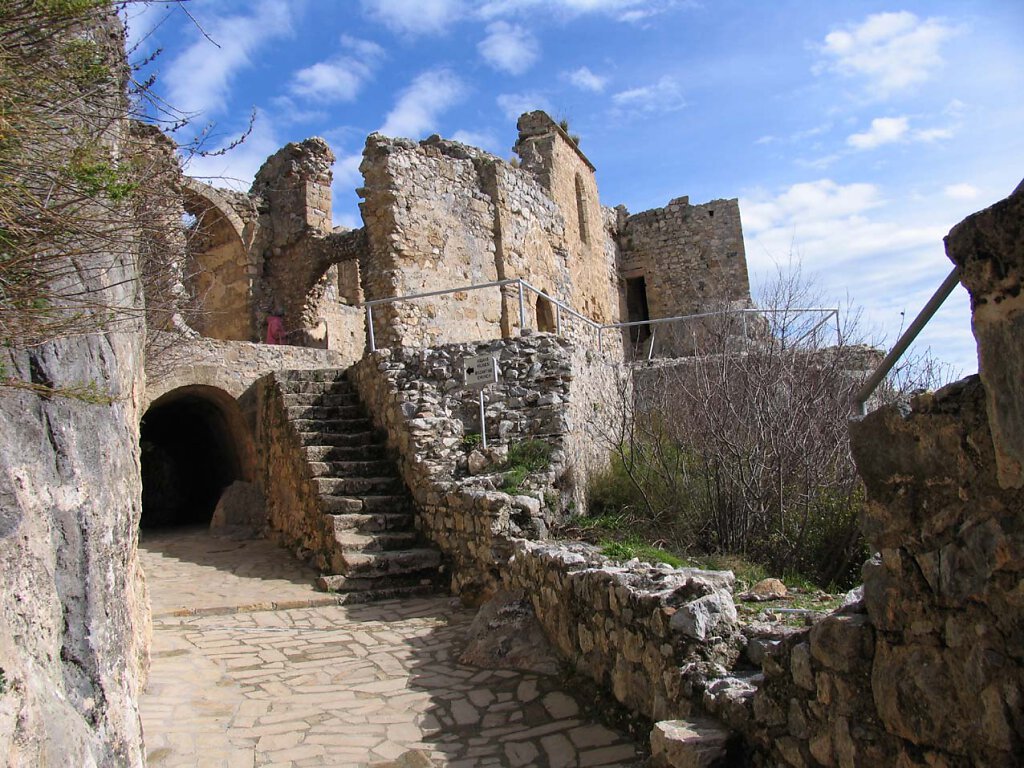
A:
[(545, 316), (192, 448)]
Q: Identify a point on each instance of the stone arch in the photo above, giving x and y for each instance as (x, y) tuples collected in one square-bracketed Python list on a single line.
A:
[(219, 273), (195, 443)]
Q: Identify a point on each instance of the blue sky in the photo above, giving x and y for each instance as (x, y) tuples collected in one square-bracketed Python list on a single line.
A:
[(855, 134)]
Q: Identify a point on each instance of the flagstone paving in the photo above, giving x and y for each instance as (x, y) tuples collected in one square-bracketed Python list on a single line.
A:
[(334, 685)]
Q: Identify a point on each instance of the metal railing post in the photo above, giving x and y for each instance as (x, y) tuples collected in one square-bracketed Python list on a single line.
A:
[(522, 306), (861, 401), (558, 319), (369, 327)]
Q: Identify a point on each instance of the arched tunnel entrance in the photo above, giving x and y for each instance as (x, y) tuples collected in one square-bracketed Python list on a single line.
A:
[(194, 444)]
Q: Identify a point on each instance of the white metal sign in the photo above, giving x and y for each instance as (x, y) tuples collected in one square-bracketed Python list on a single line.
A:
[(479, 370)]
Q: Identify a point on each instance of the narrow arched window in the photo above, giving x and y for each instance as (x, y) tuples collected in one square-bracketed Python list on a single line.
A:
[(545, 316), (581, 208)]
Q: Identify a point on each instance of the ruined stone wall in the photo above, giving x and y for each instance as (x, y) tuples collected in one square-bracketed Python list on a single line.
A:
[(648, 634), (220, 279), (440, 215), (692, 260), (417, 396), (430, 226), (567, 176)]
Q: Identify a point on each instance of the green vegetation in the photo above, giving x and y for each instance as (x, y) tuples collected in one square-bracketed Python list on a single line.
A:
[(523, 459)]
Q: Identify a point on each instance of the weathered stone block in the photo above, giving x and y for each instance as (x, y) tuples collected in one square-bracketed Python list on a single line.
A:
[(692, 743)]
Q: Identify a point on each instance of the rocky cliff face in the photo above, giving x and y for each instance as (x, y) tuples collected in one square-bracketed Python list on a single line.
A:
[(73, 609)]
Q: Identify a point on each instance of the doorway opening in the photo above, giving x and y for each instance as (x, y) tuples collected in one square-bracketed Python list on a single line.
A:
[(190, 455)]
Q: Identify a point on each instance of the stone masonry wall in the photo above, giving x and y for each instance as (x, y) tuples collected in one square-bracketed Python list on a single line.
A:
[(691, 258), (567, 176), (440, 215), (418, 397), (651, 635), (294, 518), (430, 226)]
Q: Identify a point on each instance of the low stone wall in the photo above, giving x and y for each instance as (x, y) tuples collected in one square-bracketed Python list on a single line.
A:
[(653, 635), (432, 423), (294, 518)]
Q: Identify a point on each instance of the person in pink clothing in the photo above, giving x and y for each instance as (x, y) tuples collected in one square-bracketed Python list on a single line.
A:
[(275, 328)]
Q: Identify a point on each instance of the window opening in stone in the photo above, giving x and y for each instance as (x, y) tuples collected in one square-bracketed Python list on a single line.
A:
[(545, 316), (636, 308), (188, 458), (581, 208)]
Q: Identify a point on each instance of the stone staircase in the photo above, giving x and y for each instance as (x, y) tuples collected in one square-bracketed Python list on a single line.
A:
[(372, 550)]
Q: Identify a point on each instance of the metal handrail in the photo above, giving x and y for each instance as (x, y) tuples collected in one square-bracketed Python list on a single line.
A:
[(561, 306), (860, 402), (830, 312)]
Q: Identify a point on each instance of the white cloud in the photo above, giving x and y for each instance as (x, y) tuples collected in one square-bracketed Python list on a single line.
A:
[(889, 51), (482, 139), (662, 96), (237, 167), (933, 134), (623, 10), (141, 20), (416, 17), (198, 80), (509, 48), (419, 106), (341, 77), (515, 104), (809, 203), (890, 130), (962, 191), (331, 80), (346, 171), (884, 130), (586, 80), (883, 256)]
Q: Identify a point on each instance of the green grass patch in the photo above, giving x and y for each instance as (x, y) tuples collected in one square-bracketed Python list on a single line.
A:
[(524, 459), (633, 547)]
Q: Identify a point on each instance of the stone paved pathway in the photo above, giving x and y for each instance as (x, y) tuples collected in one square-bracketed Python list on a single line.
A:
[(330, 685)]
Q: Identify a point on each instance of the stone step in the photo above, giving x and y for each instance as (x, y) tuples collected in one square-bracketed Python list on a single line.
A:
[(340, 440), (331, 426), (377, 541), (697, 742), (313, 399), (324, 412), (315, 387), (398, 562), (380, 521), (370, 468), (347, 505), (358, 486), (314, 374), (358, 590), (345, 453)]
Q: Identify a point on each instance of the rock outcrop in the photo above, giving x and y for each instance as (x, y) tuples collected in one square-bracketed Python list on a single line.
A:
[(73, 609)]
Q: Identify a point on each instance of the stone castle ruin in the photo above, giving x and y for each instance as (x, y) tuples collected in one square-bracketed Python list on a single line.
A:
[(441, 215), (356, 445)]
